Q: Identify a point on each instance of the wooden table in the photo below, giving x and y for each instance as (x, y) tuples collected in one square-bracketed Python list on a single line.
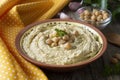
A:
[(93, 71)]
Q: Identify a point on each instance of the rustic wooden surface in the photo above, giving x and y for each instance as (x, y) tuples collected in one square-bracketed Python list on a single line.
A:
[(93, 71)]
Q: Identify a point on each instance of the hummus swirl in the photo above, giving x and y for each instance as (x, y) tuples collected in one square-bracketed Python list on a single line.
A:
[(85, 45)]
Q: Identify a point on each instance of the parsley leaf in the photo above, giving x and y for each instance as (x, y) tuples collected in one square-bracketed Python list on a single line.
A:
[(60, 32)]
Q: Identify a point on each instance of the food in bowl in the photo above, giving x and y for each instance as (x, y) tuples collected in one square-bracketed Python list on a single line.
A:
[(95, 16), (60, 42)]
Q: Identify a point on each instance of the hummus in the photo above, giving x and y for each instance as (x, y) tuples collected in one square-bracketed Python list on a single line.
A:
[(85, 45)]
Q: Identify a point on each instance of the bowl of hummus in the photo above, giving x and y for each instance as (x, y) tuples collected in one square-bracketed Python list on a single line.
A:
[(60, 44)]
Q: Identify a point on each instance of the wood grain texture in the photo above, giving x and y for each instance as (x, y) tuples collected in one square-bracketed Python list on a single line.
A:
[(93, 71)]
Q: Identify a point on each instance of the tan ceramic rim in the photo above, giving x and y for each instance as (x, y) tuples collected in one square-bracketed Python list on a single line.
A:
[(50, 66)]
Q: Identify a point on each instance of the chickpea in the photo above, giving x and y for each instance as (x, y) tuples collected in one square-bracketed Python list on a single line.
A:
[(93, 18), (72, 38), (54, 44), (65, 37), (105, 16), (86, 17), (92, 14), (67, 46), (76, 33), (61, 42), (102, 20), (55, 39), (59, 38), (53, 34), (103, 12), (49, 41), (99, 18), (47, 36), (70, 41), (97, 13), (82, 17), (87, 12), (81, 14), (50, 35)]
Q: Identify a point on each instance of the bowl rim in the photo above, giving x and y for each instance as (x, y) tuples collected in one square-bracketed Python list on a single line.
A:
[(44, 65)]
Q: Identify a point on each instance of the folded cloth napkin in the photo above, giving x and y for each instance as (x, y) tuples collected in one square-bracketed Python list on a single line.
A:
[(14, 16)]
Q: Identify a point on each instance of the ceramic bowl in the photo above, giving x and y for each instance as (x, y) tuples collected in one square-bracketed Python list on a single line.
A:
[(61, 67)]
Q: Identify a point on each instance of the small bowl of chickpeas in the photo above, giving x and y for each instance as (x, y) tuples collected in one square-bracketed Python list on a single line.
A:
[(100, 18)]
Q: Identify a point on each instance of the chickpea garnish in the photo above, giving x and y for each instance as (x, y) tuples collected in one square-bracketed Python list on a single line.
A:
[(65, 37), (49, 41), (61, 42), (72, 38), (54, 44), (86, 12), (76, 33), (62, 38), (53, 34), (55, 39), (67, 46)]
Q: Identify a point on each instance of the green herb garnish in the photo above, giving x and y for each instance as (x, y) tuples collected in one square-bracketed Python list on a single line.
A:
[(60, 32)]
